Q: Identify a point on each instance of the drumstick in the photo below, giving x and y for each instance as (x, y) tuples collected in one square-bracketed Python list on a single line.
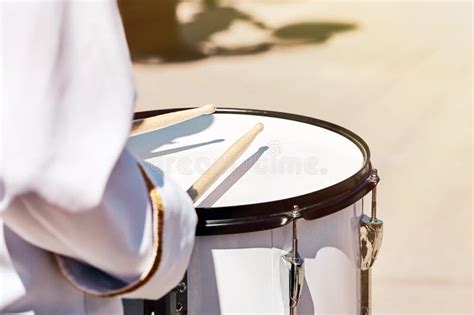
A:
[(149, 124), (223, 162)]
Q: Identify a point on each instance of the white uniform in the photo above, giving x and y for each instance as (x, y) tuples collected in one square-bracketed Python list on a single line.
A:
[(81, 223)]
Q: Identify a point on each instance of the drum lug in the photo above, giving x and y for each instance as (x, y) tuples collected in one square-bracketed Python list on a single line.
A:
[(371, 233), (371, 230), (179, 297), (292, 265), (174, 303)]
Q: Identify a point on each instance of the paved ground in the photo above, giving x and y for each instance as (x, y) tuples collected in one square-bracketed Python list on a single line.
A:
[(399, 74)]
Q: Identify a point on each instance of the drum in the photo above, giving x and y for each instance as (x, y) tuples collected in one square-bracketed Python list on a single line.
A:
[(282, 231)]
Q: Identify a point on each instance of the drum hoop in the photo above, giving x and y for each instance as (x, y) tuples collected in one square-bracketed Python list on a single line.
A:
[(273, 214)]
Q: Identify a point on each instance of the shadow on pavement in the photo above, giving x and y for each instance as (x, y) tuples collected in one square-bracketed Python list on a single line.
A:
[(154, 33)]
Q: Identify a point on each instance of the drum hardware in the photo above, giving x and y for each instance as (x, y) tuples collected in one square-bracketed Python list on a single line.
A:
[(371, 231), (174, 303), (181, 297), (292, 268)]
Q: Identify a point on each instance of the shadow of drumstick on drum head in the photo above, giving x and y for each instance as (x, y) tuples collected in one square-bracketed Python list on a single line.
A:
[(233, 177), (186, 147), (145, 145)]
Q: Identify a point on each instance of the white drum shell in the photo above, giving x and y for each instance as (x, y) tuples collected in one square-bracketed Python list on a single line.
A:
[(240, 273)]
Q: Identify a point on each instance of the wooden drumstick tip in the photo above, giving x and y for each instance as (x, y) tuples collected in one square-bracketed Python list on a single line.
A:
[(258, 127), (208, 109)]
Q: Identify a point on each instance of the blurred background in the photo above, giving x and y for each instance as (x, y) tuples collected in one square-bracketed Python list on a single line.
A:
[(398, 73)]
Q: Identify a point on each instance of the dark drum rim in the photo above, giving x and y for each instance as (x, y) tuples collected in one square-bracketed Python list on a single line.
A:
[(274, 214)]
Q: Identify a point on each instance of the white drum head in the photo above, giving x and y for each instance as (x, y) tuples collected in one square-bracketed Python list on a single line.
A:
[(287, 159)]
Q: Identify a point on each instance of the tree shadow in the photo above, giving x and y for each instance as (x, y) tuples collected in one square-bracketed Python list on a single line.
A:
[(312, 32), (214, 20), (154, 33)]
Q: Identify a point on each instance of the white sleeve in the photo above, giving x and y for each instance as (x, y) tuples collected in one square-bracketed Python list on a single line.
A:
[(66, 185), (67, 99), (136, 242)]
